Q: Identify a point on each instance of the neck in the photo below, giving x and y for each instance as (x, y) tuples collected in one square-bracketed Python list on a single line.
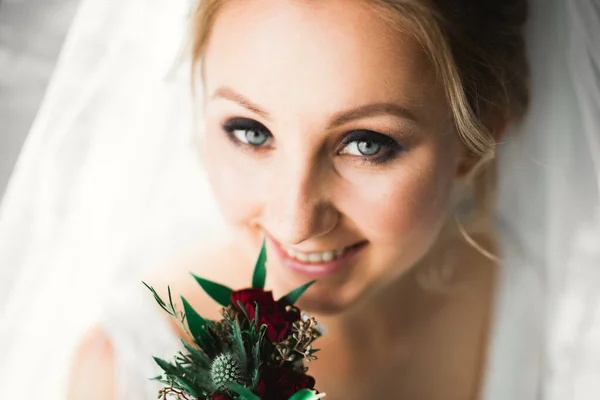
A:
[(389, 314)]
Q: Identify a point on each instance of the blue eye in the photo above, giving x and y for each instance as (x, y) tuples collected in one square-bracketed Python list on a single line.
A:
[(363, 148), (250, 137), (247, 132), (370, 146)]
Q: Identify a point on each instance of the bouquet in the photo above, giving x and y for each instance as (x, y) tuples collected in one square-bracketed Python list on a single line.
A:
[(256, 352)]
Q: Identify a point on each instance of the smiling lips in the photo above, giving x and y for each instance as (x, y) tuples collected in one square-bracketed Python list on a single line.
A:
[(315, 258), (317, 264)]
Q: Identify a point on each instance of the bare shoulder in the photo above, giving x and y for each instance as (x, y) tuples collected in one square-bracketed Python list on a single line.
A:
[(93, 373)]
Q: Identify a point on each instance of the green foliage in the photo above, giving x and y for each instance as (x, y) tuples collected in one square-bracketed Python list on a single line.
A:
[(182, 378), (219, 293), (197, 326), (295, 294), (256, 352), (306, 394), (238, 345), (195, 322), (260, 271), (197, 357), (170, 308), (167, 367), (243, 392), (225, 356)]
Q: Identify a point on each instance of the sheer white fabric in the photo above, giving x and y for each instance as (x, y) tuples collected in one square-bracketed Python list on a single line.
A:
[(573, 308), (109, 185), (549, 202), (136, 339)]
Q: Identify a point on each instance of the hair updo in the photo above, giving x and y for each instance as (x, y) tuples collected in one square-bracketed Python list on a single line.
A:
[(477, 49)]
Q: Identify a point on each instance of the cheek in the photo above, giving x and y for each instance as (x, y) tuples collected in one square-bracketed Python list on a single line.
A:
[(236, 183), (402, 211)]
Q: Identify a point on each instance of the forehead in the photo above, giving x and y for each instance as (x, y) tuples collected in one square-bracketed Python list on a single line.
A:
[(334, 53)]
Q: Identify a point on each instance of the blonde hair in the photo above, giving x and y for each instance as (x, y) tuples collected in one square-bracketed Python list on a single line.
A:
[(478, 52)]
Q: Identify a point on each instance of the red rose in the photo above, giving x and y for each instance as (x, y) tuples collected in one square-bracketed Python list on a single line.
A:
[(282, 383), (219, 396), (270, 312)]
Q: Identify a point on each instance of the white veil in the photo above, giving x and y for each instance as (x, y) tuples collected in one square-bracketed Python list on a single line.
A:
[(109, 184), (550, 214)]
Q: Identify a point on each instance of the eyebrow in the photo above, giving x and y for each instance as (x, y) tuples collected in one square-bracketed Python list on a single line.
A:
[(341, 118)]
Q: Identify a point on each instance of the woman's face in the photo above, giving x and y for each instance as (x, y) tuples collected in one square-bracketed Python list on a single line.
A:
[(328, 133)]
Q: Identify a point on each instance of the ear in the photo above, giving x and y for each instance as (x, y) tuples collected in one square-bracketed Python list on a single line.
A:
[(467, 164), (470, 162)]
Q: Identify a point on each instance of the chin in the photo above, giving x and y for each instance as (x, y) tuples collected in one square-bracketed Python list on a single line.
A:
[(323, 300), (320, 306)]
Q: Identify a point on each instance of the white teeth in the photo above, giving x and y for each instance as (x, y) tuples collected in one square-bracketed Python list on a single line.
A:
[(327, 256), (314, 258), (301, 257)]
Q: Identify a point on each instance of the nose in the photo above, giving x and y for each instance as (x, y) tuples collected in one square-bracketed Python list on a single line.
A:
[(300, 204)]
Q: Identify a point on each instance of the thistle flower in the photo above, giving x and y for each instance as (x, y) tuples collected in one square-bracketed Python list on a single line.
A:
[(226, 369)]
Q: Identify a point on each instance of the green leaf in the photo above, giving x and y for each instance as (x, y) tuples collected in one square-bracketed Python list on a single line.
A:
[(255, 322), (256, 352), (243, 309), (157, 298), (197, 380), (167, 367), (189, 386), (294, 295), (195, 321), (219, 293), (238, 344), (199, 356), (197, 326), (260, 271), (306, 394), (242, 391), (256, 377)]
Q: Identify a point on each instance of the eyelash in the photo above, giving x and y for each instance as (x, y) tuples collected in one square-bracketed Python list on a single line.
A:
[(390, 147), (244, 124)]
